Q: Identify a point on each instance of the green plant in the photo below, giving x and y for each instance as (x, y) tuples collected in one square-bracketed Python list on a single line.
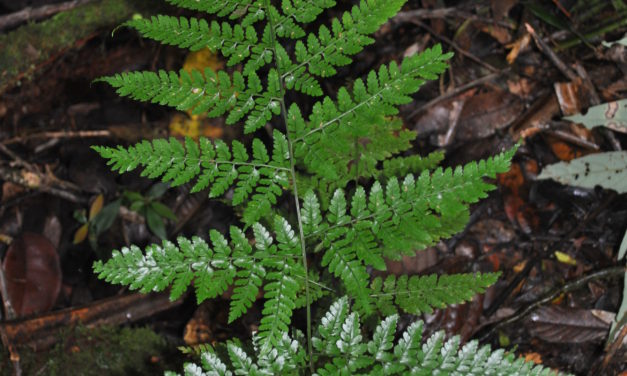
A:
[(151, 209), (338, 230)]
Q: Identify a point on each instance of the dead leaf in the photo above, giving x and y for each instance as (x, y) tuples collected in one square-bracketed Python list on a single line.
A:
[(517, 47), (569, 96), (567, 325), (96, 206), (33, 274)]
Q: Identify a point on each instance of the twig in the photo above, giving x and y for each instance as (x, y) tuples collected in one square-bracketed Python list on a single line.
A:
[(455, 92), (455, 46), (546, 49), (571, 286), (59, 134), (417, 14), (34, 14), (446, 139), (35, 180)]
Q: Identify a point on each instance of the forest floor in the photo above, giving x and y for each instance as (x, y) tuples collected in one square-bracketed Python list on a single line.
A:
[(519, 69)]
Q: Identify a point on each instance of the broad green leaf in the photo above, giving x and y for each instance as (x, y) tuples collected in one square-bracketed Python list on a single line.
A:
[(155, 223), (612, 115), (163, 210), (609, 170)]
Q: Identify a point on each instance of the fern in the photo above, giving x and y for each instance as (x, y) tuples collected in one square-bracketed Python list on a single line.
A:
[(342, 350), (420, 294), (399, 202), (257, 180)]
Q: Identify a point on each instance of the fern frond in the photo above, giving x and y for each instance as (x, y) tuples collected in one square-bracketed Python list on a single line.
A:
[(332, 48), (341, 350), (415, 213), (234, 42), (285, 275), (212, 94), (435, 356), (400, 219), (304, 11), (249, 11), (420, 294), (414, 164), (333, 126), (257, 180), (274, 267)]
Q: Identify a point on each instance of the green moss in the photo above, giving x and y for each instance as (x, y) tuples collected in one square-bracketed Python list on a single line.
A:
[(24, 49), (100, 351)]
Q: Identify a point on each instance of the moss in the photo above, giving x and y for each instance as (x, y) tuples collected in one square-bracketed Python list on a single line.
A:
[(26, 48), (100, 351)]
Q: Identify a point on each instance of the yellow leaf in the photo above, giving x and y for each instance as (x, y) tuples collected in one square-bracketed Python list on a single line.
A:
[(81, 234), (182, 125), (96, 206), (202, 59), (565, 258)]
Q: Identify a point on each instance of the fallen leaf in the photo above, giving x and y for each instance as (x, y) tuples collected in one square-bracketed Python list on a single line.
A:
[(565, 258), (33, 274), (567, 325), (612, 115), (609, 170)]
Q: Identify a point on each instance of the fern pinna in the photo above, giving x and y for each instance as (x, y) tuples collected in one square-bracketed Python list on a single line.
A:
[(340, 231)]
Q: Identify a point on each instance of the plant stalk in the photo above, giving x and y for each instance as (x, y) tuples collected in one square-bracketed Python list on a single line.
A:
[(294, 186)]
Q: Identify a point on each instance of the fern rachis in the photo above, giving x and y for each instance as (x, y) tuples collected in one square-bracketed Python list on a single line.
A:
[(339, 231)]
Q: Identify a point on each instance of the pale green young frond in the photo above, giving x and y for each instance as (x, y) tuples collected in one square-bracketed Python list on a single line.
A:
[(214, 268)]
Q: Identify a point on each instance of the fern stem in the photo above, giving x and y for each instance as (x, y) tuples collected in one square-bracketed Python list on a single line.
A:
[(295, 187)]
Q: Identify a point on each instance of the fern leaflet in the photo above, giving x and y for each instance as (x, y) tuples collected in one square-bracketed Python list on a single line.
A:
[(258, 181)]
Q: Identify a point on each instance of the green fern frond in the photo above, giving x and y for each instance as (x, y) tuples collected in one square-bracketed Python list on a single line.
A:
[(249, 11), (285, 276), (399, 220), (275, 267), (414, 164), (333, 47), (257, 180), (212, 94), (420, 294), (234, 42), (333, 126), (341, 349)]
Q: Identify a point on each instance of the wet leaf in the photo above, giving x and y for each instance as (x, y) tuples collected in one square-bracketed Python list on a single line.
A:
[(33, 274), (81, 234), (612, 115), (96, 206), (567, 325), (609, 170)]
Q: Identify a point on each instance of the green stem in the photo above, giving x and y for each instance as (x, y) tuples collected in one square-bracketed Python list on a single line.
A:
[(295, 186)]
